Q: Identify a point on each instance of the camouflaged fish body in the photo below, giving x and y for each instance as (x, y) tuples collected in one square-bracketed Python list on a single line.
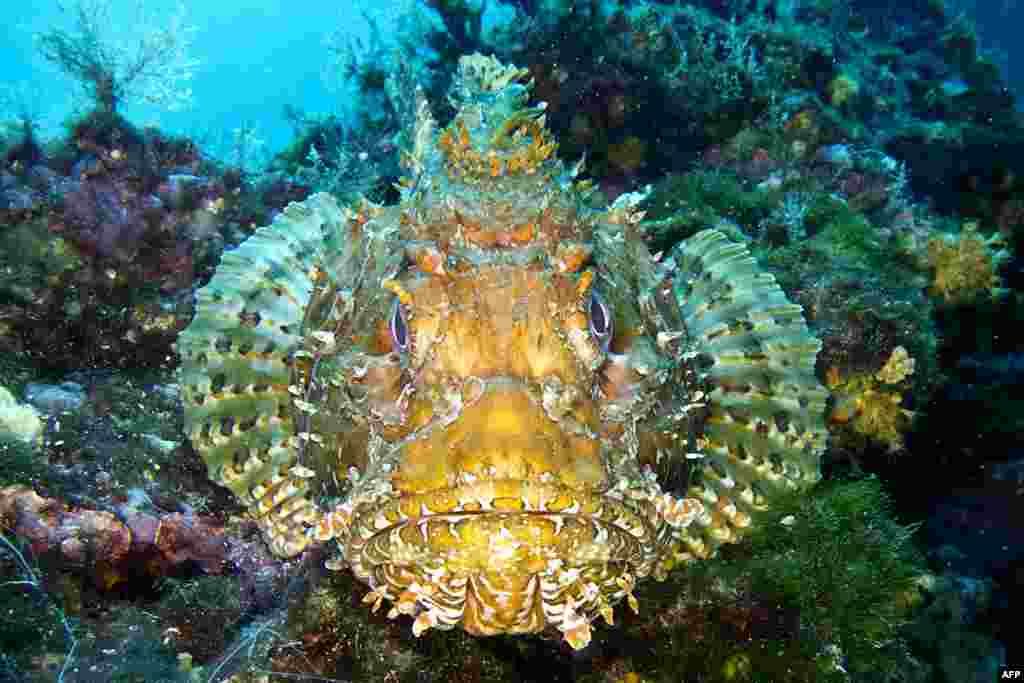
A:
[(500, 407)]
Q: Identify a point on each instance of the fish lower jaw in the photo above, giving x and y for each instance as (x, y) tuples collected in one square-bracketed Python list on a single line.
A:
[(505, 571)]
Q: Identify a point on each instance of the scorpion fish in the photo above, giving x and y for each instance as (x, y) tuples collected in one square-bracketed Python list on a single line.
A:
[(490, 400)]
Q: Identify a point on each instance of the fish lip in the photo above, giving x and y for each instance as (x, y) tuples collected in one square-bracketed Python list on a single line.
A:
[(589, 527), (505, 571)]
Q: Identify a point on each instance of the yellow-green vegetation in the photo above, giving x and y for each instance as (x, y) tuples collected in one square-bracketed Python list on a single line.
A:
[(851, 234), (19, 463), (842, 89), (868, 407), (682, 205), (848, 568), (18, 421), (846, 235), (824, 583), (631, 677), (34, 261), (965, 266)]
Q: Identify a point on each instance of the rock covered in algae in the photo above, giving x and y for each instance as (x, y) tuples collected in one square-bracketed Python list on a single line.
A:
[(493, 402)]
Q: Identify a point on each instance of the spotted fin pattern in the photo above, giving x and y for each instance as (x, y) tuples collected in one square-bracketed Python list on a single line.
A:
[(752, 352), (250, 337)]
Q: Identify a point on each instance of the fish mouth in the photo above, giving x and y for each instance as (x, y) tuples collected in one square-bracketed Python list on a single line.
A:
[(504, 521), (503, 556)]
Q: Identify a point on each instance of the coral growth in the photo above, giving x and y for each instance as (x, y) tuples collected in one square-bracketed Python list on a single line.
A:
[(966, 266), (869, 405), (109, 231), (19, 421), (842, 89), (111, 548)]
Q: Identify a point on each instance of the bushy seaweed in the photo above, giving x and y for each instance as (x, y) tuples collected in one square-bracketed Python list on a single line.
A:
[(818, 592), (848, 568)]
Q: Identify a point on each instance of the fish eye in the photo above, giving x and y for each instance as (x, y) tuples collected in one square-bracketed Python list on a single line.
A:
[(399, 327), (600, 320)]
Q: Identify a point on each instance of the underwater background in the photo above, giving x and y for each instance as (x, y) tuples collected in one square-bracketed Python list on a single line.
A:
[(868, 155)]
